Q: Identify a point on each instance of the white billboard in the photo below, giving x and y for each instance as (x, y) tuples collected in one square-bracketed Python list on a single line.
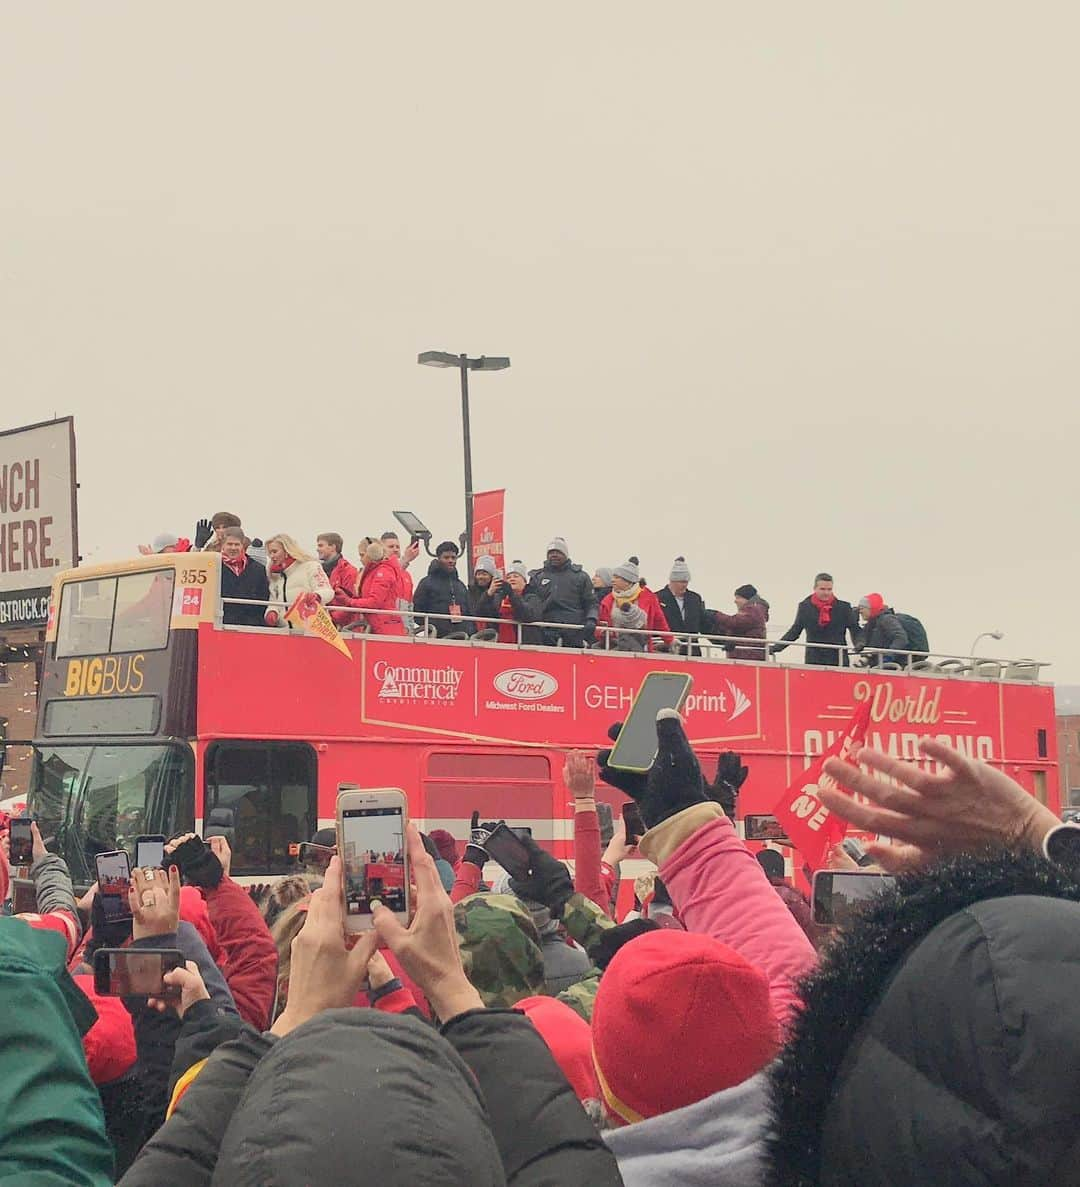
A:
[(38, 526)]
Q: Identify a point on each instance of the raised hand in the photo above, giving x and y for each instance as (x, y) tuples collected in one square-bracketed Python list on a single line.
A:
[(673, 782), (971, 806), (189, 982), (324, 973), (155, 902), (479, 831), (428, 948)]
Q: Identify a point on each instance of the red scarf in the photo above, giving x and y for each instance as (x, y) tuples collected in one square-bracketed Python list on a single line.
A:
[(238, 565), (283, 566), (824, 609)]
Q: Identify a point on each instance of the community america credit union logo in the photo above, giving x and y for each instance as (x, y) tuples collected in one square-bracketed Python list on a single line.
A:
[(417, 685), (526, 684)]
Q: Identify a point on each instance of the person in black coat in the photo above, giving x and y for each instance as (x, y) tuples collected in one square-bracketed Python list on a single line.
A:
[(241, 577), (939, 1042), (684, 609), (825, 619), (441, 590)]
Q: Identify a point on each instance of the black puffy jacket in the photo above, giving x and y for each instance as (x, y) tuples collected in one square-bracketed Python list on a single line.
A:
[(565, 595), (358, 1095), (440, 589), (939, 1042)]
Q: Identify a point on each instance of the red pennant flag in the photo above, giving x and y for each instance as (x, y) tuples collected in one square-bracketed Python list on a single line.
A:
[(812, 828)]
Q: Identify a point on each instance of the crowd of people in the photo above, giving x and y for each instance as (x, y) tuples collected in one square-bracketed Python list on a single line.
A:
[(520, 1032), (557, 604)]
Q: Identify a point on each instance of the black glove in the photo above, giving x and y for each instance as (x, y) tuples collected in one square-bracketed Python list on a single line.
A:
[(103, 932), (479, 831), (730, 776), (589, 633), (548, 883), (203, 531), (197, 864), (672, 783)]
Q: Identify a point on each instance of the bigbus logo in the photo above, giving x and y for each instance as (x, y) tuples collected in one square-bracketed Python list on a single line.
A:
[(104, 676)]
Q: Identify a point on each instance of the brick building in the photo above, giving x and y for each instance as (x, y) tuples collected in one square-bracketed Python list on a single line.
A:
[(1067, 702)]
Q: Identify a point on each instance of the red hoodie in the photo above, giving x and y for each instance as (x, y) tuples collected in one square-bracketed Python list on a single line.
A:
[(251, 956)]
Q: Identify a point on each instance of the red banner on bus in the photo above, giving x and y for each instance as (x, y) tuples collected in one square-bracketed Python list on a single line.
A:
[(488, 528)]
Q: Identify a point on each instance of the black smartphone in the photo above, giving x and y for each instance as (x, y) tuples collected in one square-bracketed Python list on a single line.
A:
[(762, 827), (523, 830), (136, 972), (150, 851), (505, 847), (857, 852), (635, 826), (22, 842), (23, 896), (114, 882), (636, 746), (838, 894), (607, 822)]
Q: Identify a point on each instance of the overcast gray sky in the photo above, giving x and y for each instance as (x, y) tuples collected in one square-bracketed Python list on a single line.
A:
[(786, 287)]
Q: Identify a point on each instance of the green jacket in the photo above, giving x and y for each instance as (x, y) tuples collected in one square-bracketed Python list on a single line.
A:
[(52, 1131), (585, 923)]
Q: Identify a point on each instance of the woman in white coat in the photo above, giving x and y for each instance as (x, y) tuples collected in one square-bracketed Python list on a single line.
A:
[(292, 572)]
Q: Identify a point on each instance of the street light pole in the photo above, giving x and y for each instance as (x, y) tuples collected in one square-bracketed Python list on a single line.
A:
[(466, 433), (441, 358), (985, 635)]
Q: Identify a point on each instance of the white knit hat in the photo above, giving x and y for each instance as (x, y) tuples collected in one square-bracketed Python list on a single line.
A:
[(559, 545), (680, 570)]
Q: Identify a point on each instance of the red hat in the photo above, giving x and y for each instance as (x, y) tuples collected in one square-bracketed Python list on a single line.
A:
[(110, 1043), (567, 1035), (678, 1017), (446, 845), (874, 602)]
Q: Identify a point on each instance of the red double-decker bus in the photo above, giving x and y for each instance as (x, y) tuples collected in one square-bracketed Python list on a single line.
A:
[(153, 717)]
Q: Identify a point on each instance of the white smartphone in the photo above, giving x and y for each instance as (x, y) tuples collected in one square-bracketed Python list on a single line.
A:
[(371, 841)]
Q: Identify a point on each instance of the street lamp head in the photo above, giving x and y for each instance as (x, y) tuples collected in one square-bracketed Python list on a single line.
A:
[(997, 634), (442, 358), (438, 358)]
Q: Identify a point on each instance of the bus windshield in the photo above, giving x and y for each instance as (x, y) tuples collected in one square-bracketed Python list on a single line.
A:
[(130, 612), (91, 799)]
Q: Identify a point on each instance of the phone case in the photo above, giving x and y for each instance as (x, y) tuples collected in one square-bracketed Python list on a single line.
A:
[(689, 681)]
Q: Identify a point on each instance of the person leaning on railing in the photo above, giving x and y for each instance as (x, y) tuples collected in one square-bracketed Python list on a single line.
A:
[(509, 600), (292, 572), (241, 577), (379, 589)]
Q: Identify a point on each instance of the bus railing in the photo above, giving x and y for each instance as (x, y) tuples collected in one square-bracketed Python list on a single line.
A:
[(699, 646)]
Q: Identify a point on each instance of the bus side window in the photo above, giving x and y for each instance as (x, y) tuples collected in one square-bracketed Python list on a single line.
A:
[(262, 797)]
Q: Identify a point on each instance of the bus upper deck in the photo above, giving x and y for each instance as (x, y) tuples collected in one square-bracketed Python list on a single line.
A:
[(153, 717)]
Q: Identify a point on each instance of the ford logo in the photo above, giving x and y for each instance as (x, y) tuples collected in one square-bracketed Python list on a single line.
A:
[(526, 684)]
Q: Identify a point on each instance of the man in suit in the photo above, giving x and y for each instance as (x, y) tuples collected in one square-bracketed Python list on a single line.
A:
[(825, 619), (683, 608)]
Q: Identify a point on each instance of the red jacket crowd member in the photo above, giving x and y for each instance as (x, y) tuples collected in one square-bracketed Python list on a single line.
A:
[(379, 589), (626, 587), (341, 574)]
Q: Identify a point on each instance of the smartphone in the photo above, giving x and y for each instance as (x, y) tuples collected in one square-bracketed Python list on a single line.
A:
[(838, 894), (114, 882), (505, 847), (636, 746), (635, 826), (523, 831), (23, 896), (136, 972), (22, 842), (310, 855), (763, 827), (607, 822), (150, 851), (371, 842)]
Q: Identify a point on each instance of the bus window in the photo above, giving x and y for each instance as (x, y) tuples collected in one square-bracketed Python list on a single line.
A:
[(92, 799), (514, 787), (261, 797), (113, 614), (143, 609), (86, 611)]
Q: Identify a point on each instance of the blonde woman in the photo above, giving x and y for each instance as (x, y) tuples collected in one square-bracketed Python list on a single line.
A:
[(292, 572)]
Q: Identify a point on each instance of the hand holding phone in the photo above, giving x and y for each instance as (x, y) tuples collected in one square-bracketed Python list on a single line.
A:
[(635, 826), (509, 850), (637, 745)]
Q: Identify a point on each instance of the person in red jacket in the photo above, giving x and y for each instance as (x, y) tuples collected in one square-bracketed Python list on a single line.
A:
[(390, 541), (341, 574), (250, 954), (627, 587), (379, 589)]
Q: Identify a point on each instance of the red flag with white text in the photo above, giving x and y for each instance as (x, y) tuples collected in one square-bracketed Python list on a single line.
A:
[(488, 528), (811, 827)]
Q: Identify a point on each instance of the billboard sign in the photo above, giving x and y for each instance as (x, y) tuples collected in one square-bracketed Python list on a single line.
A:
[(38, 528)]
